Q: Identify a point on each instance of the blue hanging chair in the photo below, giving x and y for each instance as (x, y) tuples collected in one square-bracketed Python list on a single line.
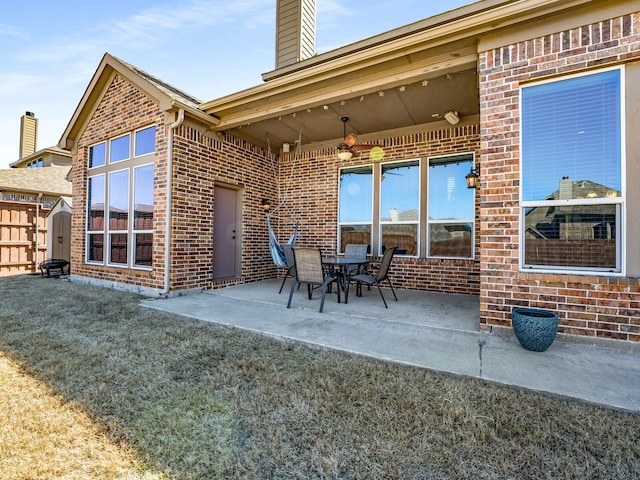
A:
[(277, 252)]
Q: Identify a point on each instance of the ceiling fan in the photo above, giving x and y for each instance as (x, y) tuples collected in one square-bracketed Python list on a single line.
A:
[(348, 146)]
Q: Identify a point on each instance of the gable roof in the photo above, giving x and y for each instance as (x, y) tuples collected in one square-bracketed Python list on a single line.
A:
[(48, 151), (167, 97), (47, 180)]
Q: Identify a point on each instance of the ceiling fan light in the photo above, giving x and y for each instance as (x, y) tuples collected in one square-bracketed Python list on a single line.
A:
[(452, 117), (345, 154)]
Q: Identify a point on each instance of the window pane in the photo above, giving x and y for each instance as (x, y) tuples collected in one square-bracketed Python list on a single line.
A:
[(405, 237), (95, 207), (119, 148), (143, 198), (97, 155), (400, 192), (449, 197), (358, 234), (145, 141), (571, 130), (571, 236), (118, 252), (95, 248), (450, 240), (119, 200), (144, 247), (356, 194)]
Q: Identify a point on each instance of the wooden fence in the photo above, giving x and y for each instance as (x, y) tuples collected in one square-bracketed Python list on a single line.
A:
[(23, 237)]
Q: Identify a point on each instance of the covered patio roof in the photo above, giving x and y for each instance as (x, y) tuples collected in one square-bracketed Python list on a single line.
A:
[(393, 83)]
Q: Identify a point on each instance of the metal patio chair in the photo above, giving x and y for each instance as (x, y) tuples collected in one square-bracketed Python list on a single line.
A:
[(291, 264), (309, 271), (368, 279)]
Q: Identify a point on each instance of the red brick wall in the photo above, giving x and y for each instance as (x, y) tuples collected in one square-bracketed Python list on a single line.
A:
[(199, 162), (589, 305), (122, 109), (309, 183)]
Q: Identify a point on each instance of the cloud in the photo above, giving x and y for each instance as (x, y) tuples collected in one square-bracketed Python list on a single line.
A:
[(7, 30), (154, 26)]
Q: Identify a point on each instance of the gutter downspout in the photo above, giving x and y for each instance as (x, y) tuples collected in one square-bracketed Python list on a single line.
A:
[(167, 232)]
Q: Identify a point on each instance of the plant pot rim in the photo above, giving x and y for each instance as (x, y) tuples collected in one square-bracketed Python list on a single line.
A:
[(534, 312)]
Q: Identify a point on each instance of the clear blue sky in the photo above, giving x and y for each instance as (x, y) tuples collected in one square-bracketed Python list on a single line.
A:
[(209, 48)]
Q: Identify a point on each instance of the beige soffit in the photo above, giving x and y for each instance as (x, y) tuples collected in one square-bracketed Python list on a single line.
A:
[(168, 98), (441, 43)]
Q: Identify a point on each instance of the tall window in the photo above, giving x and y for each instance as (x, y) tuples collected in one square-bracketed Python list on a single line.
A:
[(400, 206), (451, 207), (572, 194), (355, 208), (121, 175)]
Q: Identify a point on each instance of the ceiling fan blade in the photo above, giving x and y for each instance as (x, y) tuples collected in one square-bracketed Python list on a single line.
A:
[(364, 146)]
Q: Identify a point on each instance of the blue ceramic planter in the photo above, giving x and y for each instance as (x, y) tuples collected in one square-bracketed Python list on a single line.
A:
[(535, 329)]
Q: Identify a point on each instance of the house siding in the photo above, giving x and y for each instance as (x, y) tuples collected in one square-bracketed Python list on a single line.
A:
[(307, 182), (122, 109), (587, 305), (309, 185), (200, 161)]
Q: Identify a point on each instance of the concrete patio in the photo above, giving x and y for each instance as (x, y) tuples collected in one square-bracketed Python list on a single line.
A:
[(430, 330)]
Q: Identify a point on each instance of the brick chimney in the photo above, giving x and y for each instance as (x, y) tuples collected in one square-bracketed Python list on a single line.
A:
[(295, 31), (28, 134), (566, 189)]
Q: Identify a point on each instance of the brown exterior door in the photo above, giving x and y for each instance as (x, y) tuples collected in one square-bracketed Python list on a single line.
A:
[(61, 238), (226, 235)]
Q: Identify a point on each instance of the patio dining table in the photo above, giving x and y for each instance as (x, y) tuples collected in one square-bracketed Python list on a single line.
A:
[(339, 266)]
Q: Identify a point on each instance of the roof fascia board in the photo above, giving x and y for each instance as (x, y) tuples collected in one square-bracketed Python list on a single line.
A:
[(346, 88), (592, 12), (385, 37)]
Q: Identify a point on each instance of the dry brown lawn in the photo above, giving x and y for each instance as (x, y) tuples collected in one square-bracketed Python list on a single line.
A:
[(93, 386)]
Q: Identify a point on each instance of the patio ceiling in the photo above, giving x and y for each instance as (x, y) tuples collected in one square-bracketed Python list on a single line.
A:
[(370, 114), (383, 90)]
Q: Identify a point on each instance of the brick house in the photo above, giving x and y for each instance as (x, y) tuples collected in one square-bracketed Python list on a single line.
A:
[(168, 191)]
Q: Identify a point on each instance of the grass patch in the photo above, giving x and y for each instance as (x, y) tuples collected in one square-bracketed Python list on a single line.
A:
[(162, 396)]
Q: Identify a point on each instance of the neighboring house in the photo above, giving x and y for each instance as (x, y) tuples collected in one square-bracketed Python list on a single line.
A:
[(28, 191), (26, 196), (44, 158), (168, 191)]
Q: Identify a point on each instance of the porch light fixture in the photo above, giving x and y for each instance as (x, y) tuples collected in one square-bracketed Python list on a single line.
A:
[(473, 178), (452, 117), (265, 204)]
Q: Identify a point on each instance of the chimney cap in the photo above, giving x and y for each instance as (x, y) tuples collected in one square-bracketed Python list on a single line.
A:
[(30, 114)]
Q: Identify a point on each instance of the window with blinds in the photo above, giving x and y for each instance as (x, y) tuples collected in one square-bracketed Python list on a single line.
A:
[(571, 184)]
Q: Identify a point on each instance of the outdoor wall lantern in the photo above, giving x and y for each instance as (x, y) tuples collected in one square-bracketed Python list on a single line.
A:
[(473, 178), (265, 204)]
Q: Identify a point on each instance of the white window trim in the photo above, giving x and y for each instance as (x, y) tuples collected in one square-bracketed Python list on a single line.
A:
[(380, 223), (621, 240), (129, 164), (88, 232), (340, 248), (472, 221)]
